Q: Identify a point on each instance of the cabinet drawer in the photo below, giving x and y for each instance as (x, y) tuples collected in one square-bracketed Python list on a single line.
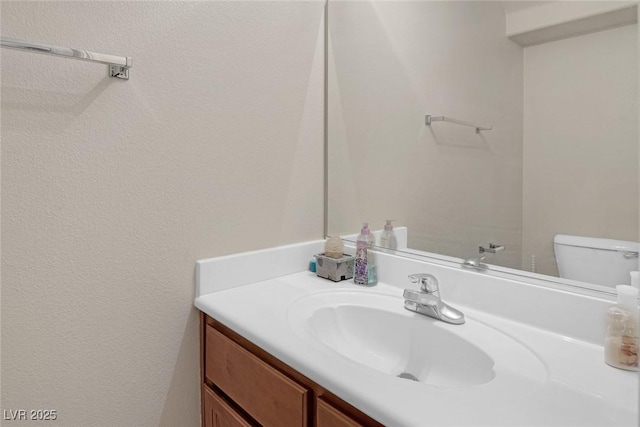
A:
[(328, 416), (217, 413), (263, 392)]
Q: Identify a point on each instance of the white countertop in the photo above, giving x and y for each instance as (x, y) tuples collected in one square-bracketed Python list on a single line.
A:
[(575, 388)]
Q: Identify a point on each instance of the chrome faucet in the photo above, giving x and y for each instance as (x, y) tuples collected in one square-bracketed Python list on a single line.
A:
[(427, 300)]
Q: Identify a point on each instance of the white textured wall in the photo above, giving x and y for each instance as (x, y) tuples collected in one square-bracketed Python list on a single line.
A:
[(111, 190), (394, 62), (580, 141)]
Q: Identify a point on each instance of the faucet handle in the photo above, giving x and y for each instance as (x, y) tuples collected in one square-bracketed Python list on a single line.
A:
[(428, 282)]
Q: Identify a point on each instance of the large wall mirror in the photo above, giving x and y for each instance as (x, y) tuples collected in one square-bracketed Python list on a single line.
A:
[(557, 83)]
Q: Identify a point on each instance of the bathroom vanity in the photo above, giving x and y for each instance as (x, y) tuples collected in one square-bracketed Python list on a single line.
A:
[(282, 347), (243, 385)]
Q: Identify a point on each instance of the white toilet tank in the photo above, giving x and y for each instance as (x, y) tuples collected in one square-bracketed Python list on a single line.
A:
[(601, 261)]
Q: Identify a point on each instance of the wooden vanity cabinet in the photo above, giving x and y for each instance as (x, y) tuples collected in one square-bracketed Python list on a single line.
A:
[(243, 385)]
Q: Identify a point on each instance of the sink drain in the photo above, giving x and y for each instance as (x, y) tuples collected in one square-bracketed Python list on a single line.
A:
[(407, 376)]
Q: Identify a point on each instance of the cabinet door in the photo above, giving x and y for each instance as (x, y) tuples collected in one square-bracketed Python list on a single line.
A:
[(329, 416), (217, 413), (268, 396)]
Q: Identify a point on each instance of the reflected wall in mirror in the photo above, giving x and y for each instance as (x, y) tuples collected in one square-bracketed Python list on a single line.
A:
[(558, 83)]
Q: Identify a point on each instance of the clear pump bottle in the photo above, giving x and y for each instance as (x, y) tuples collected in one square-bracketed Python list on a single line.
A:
[(621, 340), (365, 273), (360, 270)]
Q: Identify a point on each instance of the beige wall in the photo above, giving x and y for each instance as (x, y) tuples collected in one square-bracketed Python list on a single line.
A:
[(111, 190), (580, 141), (394, 62)]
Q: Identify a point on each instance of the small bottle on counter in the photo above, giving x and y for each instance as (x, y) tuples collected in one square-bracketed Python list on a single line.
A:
[(362, 267), (621, 340)]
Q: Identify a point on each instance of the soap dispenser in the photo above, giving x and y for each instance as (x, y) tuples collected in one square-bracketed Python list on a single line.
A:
[(360, 270), (389, 239), (621, 340), (365, 273)]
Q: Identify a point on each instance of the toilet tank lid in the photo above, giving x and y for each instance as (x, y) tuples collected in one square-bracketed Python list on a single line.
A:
[(596, 243)]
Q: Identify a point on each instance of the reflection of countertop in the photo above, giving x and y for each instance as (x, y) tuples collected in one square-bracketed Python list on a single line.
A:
[(571, 386)]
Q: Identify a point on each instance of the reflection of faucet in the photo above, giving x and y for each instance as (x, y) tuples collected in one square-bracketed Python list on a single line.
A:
[(427, 300), (475, 262)]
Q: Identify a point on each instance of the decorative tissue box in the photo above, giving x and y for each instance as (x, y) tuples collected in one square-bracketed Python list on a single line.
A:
[(335, 269)]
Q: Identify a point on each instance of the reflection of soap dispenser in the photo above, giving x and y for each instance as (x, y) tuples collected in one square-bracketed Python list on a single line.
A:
[(621, 340), (389, 239)]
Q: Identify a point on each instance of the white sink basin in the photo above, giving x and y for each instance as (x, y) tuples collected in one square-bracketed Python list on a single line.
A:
[(375, 331)]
